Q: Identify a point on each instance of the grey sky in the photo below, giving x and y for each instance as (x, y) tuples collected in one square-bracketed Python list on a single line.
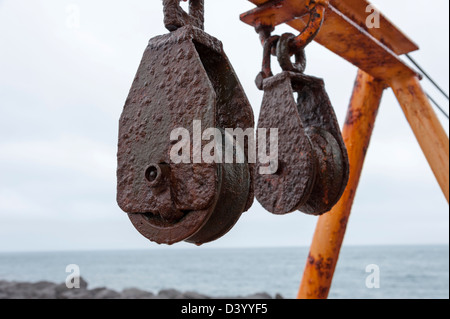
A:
[(62, 91)]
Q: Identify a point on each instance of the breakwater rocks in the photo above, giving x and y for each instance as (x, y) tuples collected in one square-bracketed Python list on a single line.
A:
[(49, 290)]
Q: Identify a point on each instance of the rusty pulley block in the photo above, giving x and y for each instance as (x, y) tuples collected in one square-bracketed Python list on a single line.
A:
[(313, 168), (184, 85)]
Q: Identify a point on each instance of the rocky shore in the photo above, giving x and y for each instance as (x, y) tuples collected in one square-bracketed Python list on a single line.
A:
[(49, 290)]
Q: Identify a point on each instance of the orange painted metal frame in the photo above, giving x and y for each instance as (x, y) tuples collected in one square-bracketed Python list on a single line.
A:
[(376, 53), (331, 227), (340, 34)]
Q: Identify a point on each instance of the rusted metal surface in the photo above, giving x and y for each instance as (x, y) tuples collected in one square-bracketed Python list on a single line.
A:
[(323, 130), (426, 126), (268, 43), (274, 12), (340, 34), (290, 187), (175, 17), (184, 76), (375, 52), (312, 159), (387, 33), (331, 228), (285, 44), (313, 164), (356, 10), (316, 10)]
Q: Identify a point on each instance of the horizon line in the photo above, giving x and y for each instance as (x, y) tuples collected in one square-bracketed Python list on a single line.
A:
[(173, 248)]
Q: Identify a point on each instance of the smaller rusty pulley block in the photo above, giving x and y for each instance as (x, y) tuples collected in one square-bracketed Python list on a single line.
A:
[(313, 165), (184, 86)]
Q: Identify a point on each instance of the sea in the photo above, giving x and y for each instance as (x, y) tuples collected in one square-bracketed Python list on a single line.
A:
[(388, 272)]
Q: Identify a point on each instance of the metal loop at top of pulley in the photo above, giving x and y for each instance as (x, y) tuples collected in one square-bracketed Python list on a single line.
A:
[(288, 44), (281, 46), (284, 54), (175, 17), (269, 44)]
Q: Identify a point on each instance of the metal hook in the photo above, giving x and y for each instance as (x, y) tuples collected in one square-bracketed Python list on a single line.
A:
[(316, 17), (175, 17), (288, 44)]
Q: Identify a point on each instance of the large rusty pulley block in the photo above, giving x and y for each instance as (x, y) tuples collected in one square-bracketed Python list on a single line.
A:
[(313, 167), (313, 162), (184, 78)]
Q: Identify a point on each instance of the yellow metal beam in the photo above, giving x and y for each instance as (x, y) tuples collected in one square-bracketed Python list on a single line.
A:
[(331, 227), (375, 52), (340, 34), (387, 33), (425, 124), (357, 11)]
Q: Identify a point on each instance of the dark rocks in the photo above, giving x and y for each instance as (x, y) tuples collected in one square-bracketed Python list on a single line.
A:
[(104, 293), (134, 293), (48, 290), (193, 295), (278, 297), (170, 294), (20, 290), (259, 296)]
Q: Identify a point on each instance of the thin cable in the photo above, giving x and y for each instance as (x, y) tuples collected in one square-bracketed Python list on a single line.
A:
[(426, 74), (438, 106)]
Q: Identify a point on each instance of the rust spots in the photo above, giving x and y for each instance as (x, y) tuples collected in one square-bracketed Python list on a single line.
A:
[(358, 82), (313, 155), (353, 116), (343, 224), (412, 90), (331, 230), (184, 77), (311, 260), (291, 186), (323, 292), (324, 267)]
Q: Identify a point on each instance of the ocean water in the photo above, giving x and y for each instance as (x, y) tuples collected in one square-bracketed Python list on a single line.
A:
[(404, 272)]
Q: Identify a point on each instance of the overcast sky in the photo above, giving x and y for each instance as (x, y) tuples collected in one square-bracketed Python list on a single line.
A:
[(63, 86)]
